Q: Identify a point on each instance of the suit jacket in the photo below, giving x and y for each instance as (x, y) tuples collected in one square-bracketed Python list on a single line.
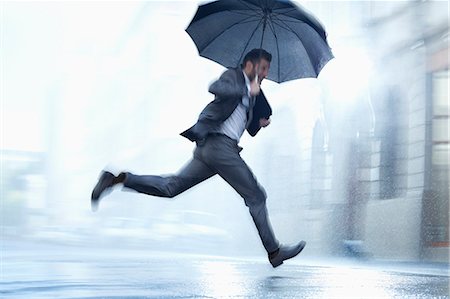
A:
[(228, 91)]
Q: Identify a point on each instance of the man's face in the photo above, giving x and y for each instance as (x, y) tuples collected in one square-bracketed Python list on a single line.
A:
[(262, 68)]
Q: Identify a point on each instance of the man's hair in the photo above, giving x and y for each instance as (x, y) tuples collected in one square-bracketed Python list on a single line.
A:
[(256, 55)]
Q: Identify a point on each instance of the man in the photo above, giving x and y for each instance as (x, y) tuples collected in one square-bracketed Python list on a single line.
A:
[(217, 133)]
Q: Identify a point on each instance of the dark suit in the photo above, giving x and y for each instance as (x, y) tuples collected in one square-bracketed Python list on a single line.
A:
[(218, 154), (228, 91)]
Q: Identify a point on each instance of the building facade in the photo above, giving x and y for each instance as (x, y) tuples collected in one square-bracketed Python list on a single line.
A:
[(389, 155)]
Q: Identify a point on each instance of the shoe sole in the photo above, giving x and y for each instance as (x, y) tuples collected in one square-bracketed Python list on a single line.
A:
[(281, 262), (276, 264)]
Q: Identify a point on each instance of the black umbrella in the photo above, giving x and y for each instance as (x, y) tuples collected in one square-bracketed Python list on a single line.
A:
[(225, 30)]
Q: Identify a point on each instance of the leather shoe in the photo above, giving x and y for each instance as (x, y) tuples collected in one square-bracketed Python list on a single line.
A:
[(285, 252), (104, 184)]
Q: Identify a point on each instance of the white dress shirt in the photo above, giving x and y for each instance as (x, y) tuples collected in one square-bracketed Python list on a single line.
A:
[(234, 125)]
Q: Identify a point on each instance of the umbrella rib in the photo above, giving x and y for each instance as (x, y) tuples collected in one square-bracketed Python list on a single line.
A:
[(282, 24), (250, 8), (248, 41), (292, 31), (249, 14), (286, 12), (246, 12), (243, 21), (316, 27), (286, 26), (292, 20), (278, 47), (273, 5)]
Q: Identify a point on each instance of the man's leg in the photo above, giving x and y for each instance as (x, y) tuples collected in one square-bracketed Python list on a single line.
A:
[(222, 154), (169, 186), (193, 173)]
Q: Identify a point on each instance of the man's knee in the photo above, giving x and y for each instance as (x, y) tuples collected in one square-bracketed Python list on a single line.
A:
[(257, 199), (263, 192), (173, 187)]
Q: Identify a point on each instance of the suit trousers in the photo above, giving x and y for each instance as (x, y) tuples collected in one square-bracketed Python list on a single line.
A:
[(218, 154)]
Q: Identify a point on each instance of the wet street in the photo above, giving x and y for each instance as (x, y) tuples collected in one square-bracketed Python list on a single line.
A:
[(70, 272)]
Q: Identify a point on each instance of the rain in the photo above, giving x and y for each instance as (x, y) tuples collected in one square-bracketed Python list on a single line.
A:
[(355, 162)]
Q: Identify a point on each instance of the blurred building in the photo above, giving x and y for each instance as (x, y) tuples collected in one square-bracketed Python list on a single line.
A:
[(370, 177), (388, 152), (23, 192), (411, 91)]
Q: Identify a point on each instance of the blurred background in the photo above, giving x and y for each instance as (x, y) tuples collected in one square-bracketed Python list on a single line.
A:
[(355, 162)]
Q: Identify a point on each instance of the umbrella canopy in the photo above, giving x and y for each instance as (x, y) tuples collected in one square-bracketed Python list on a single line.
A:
[(225, 30)]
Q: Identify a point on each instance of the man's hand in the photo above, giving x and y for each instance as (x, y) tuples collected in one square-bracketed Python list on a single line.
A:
[(254, 88), (264, 122)]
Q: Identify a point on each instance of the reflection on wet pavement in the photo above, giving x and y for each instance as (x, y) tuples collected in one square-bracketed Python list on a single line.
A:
[(73, 273)]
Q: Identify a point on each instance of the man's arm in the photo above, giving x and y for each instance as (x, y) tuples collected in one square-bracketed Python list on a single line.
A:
[(227, 86)]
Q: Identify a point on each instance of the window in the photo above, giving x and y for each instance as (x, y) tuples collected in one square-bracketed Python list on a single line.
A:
[(437, 190)]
